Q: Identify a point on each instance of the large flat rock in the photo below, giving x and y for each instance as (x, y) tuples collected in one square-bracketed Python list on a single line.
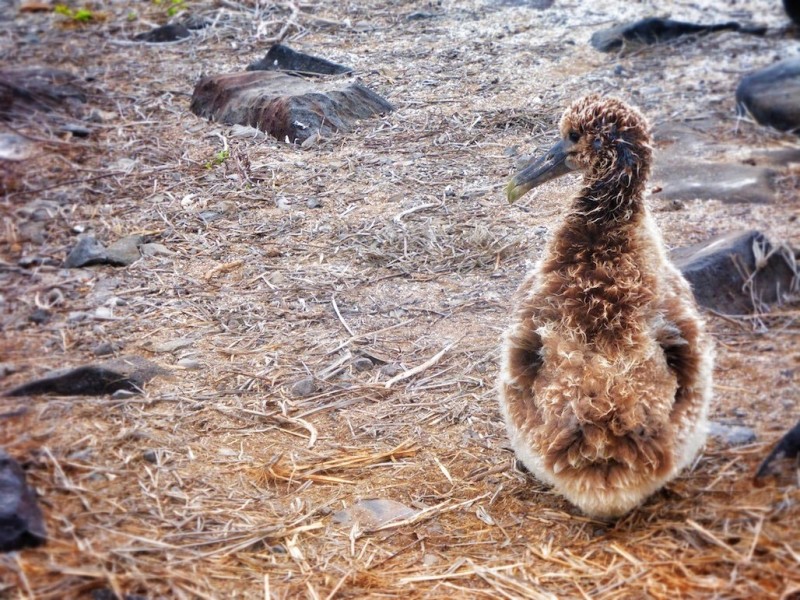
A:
[(288, 108), (772, 95), (738, 273), (684, 179)]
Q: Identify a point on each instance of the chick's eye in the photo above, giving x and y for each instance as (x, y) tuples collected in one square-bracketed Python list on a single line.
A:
[(574, 136)]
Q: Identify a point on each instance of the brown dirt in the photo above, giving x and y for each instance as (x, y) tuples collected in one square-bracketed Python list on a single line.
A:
[(217, 482)]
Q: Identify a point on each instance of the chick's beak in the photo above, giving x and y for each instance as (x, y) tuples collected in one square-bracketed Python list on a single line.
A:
[(551, 165)]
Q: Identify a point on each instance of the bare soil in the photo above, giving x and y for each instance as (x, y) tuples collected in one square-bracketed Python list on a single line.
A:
[(218, 482)]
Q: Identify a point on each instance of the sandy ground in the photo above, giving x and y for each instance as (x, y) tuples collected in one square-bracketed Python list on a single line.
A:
[(218, 482)]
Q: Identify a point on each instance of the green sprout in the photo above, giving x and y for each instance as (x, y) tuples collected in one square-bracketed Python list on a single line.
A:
[(82, 15), (219, 158)]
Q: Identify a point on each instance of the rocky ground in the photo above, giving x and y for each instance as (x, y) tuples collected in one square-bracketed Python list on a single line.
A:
[(322, 320)]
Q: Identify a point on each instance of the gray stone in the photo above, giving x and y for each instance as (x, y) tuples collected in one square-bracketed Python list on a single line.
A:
[(190, 364), (733, 435), (363, 364), (6, 369), (170, 345), (21, 523), (391, 369), (373, 513), (88, 251), (304, 387), (682, 180), (772, 95), (287, 107), (715, 268), (153, 249), (125, 251)]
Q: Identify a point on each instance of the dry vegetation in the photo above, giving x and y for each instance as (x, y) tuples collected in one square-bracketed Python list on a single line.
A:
[(219, 483)]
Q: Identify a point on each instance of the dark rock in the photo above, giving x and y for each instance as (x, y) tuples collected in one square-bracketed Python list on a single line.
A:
[(772, 95), (420, 15), (108, 594), (39, 316), (731, 272), (165, 33), (304, 387), (793, 10), (21, 524), (283, 58), (88, 251), (732, 435), (787, 447), (150, 456), (284, 106), (363, 364), (43, 89), (128, 373), (76, 130), (655, 30)]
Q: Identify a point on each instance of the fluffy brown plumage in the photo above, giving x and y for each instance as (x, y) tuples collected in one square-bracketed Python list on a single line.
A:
[(606, 374)]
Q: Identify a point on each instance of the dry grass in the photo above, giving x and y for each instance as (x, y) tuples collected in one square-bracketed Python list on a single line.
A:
[(218, 482)]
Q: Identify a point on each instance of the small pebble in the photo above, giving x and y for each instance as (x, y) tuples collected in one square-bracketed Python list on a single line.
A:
[(103, 349), (39, 316), (7, 369), (362, 364), (391, 369), (190, 364), (304, 387), (150, 456), (123, 394), (313, 203)]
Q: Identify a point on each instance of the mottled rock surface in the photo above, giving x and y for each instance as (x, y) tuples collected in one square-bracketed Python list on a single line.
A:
[(772, 95), (719, 272)]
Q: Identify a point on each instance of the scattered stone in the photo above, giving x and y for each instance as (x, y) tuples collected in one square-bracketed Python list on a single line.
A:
[(190, 364), (150, 456), (283, 58), (104, 313), (125, 251), (362, 364), (420, 15), (682, 179), (286, 107), (76, 130), (304, 387), (772, 95), (6, 369), (88, 251), (655, 30), (153, 249), (246, 131), (313, 203), (732, 435), (165, 33), (170, 345), (129, 373), (373, 513), (787, 447), (14, 147), (43, 89), (715, 268), (391, 369), (39, 316), (21, 523), (103, 349)]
